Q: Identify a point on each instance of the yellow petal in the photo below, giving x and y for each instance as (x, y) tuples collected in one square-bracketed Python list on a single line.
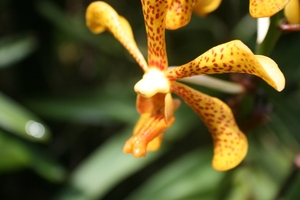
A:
[(292, 12), (203, 7), (154, 17), (266, 8), (179, 13), (170, 106), (100, 17), (230, 144), (272, 70), (231, 57), (155, 144), (147, 134)]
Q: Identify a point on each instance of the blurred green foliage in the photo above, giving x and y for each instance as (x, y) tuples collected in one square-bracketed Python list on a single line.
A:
[(67, 106)]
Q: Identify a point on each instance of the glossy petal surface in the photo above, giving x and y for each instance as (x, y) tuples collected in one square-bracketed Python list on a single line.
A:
[(230, 144), (179, 13), (266, 8), (203, 7), (101, 17), (154, 15), (232, 57), (292, 12)]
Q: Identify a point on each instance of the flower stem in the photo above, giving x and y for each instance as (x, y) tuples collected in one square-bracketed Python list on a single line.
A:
[(273, 34), (215, 83), (290, 179)]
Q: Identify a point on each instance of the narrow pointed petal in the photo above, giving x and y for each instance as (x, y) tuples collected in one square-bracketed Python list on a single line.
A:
[(231, 57), (179, 13), (154, 16), (230, 144), (170, 106), (101, 17), (266, 8), (292, 12), (203, 7)]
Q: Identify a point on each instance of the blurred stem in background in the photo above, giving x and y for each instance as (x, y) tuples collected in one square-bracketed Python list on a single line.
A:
[(266, 46), (290, 180)]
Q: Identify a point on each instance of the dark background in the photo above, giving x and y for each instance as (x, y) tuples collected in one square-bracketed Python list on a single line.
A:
[(79, 86)]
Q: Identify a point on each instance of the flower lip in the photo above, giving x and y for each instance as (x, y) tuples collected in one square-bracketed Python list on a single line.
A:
[(154, 81)]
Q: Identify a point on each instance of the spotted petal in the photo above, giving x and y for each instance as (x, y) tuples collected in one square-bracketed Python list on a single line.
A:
[(179, 13), (203, 7), (101, 17), (231, 57), (230, 144), (154, 15), (266, 8)]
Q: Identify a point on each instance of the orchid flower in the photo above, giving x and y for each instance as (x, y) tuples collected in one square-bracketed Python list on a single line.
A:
[(154, 91)]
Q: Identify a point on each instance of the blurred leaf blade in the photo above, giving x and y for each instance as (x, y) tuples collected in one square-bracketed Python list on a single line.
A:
[(190, 175), (77, 29), (15, 48), (47, 167), (88, 107), (18, 155), (20, 121), (15, 154), (104, 168), (108, 166)]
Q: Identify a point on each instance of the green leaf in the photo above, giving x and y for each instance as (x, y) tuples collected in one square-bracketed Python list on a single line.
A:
[(15, 48), (187, 177), (76, 28), (242, 33), (18, 120), (86, 107), (107, 166), (17, 154), (13, 153), (46, 167)]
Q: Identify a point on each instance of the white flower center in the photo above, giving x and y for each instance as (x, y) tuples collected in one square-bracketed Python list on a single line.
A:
[(154, 81)]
